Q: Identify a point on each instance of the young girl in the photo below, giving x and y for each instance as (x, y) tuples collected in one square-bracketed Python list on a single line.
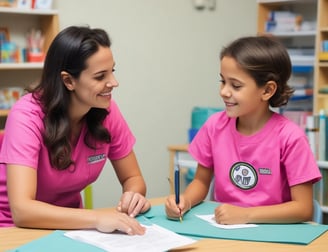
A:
[(262, 164), (59, 136)]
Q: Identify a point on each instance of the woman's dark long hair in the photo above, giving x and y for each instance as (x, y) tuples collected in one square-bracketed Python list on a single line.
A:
[(68, 52)]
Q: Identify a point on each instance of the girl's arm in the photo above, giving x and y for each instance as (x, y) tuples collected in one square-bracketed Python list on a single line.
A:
[(133, 200), (195, 192), (29, 212), (299, 209)]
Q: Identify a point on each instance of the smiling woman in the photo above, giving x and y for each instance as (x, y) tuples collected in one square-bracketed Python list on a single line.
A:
[(59, 136)]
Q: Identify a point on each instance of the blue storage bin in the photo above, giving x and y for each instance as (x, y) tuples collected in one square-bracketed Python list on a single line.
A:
[(190, 175), (191, 134), (200, 115), (198, 118)]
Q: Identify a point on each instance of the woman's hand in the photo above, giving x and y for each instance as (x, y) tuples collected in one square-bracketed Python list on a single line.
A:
[(230, 214), (109, 220), (133, 203), (173, 210)]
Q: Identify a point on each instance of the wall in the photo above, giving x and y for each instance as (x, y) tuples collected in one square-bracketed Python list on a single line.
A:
[(167, 62)]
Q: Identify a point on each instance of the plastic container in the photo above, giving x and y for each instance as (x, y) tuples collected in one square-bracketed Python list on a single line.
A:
[(191, 134), (201, 114), (198, 118)]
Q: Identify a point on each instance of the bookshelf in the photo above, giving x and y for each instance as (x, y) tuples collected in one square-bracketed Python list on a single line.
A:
[(294, 23), (321, 63), (19, 21), (321, 188), (308, 55)]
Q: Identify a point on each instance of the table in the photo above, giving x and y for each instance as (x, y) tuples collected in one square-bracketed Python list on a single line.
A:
[(13, 237)]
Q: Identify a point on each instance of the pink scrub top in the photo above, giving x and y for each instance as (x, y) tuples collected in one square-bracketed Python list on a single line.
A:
[(258, 169), (23, 145)]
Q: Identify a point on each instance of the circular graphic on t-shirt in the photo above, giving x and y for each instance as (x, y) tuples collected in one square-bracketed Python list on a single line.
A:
[(243, 175)]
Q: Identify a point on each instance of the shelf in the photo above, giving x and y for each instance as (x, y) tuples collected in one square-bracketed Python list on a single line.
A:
[(285, 1), (324, 209), (289, 34), (22, 66), (187, 163), (10, 10), (322, 164), (18, 21), (322, 96), (301, 60)]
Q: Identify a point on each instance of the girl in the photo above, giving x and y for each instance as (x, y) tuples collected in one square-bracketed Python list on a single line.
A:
[(262, 164)]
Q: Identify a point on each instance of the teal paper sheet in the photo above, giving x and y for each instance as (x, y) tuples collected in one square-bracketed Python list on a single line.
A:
[(56, 242), (302, 233)]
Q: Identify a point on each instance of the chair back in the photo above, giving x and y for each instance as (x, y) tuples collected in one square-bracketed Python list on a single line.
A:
[(317, 212)]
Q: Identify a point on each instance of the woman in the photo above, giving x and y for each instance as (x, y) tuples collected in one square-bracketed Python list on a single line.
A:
[(58, 137)]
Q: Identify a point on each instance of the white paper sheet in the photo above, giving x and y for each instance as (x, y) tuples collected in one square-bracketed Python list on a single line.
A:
[(210, 218), (155, 239)]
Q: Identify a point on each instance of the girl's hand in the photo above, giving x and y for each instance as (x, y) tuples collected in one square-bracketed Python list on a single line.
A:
[(173, 210), (230, 214), (109, 220), (133, 203)]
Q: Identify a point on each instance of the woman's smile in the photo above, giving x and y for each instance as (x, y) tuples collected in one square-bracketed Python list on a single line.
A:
[(106, 93)]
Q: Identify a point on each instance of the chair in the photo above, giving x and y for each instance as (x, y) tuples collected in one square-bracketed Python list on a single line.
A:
[(88, 202), (317, 212)]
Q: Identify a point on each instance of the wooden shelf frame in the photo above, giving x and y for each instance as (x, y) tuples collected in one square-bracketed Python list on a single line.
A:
[(321, 67)]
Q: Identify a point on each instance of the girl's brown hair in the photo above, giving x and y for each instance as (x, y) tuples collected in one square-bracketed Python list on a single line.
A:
[(265, 59)]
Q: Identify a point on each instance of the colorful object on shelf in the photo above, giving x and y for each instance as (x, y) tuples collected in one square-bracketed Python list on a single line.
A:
[(24, 4), (8, 96), (323, 56), (35, 57), (35, 43), (7, 3), (325, 46), (42, 4), (9, 52), (323, 90), (287, 21)]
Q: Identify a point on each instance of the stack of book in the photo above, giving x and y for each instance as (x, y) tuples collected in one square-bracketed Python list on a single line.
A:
[(317, 131), (282, 21)]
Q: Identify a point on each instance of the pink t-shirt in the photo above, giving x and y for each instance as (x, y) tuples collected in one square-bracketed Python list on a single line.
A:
[(23, 145), (258, 169)]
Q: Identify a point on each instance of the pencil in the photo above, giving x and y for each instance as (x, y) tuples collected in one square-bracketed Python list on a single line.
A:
[(177, 184)]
